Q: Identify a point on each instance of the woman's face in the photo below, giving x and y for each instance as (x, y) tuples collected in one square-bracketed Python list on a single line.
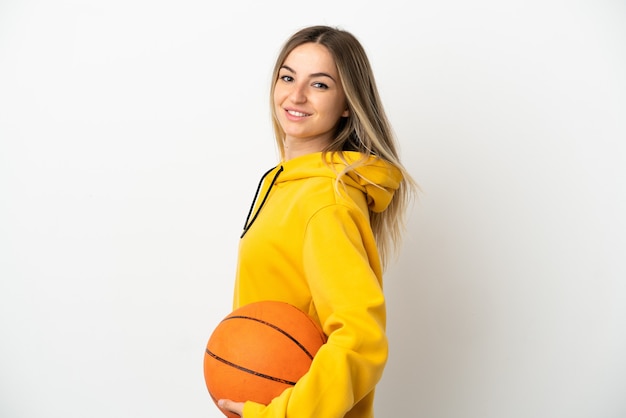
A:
[(308, 97)]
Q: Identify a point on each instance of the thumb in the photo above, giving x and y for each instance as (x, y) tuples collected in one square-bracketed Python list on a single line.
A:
[(231, 406)]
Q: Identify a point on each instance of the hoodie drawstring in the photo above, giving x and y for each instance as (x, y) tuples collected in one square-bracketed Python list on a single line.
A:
[(247, 225)]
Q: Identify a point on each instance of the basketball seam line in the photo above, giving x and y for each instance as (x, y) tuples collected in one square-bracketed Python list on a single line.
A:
[(303, 348), (265, 376)]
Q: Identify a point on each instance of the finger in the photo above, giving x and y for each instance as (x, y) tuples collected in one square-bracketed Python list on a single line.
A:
[(227, 404)]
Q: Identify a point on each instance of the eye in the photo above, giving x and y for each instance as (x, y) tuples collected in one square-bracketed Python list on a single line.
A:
[(286, 78), (319, 85)]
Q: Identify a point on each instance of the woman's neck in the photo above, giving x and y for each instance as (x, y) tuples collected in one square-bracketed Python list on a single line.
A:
[(297, 147)]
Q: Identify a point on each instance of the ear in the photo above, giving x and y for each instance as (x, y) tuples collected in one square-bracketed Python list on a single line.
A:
[(345, 113)]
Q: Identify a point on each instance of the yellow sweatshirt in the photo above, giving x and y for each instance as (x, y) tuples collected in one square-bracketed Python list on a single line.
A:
[(311, 245)]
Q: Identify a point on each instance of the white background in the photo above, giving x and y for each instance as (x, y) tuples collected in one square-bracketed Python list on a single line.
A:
[(132, 136)]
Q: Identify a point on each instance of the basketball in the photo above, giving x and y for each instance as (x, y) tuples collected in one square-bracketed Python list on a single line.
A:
[(258, 351)]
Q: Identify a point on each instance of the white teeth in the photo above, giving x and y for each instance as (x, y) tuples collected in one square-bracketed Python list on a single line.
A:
[(294, 113)]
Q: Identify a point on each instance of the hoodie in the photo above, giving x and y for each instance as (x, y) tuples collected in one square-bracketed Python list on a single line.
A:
[(308, 242)]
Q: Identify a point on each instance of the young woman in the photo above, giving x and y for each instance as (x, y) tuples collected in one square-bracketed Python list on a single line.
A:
[(325, 221)]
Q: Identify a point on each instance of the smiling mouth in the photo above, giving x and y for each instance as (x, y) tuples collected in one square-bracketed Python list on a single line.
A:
[(299, 114)]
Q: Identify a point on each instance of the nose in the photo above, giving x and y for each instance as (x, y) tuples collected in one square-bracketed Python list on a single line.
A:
[(298, 93)]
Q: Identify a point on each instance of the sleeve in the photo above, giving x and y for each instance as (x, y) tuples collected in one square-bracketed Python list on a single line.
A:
[(348, 296)]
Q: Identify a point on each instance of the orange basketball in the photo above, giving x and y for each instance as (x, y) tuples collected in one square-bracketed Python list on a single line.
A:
[(258, 351)]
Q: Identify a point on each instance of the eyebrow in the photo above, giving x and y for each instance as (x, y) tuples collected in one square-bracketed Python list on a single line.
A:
[(311, 75)]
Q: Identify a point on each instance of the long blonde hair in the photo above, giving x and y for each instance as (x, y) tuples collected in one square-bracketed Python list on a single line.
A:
[(366, 129)]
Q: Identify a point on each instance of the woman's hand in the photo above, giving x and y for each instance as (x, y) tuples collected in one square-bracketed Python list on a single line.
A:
[(232, 406)]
